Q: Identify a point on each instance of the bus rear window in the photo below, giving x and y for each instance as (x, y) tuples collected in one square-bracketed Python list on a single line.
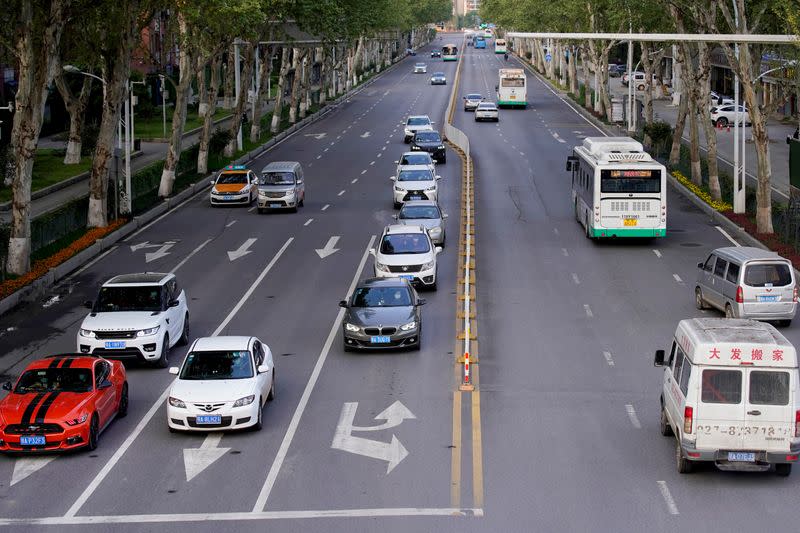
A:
[(722, 386), (769, 388), (512, 82), (630, 181), (767, 275)]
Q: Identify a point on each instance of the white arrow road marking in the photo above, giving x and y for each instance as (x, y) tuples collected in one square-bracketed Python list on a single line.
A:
[(158, 254), (145, 244), (195, 460), (25, 466), (392, 453), (329, 248), (317, 136), (365, 135), (242, 250), (394, 416)]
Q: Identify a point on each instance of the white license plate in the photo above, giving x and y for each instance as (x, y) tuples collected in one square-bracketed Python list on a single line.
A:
[(763, 298), (208, 419), (747, 457), (36, 440), (380, 339), (115, 345)]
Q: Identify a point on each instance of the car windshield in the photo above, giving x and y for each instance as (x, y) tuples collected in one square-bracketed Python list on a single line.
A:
[(232, 178), (55, 379), (486, 106), (415, 175), (405, 243), (420, 64), (217, 365), (135, 298), (277, 178), (438, 74), (474, 97), (428, 137), (418, 121), (419, 211), (421, 158), (381, 297)]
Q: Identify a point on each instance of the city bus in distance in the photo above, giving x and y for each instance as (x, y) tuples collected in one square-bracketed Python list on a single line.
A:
[(449, 52), (618, 190), (512, 88), (479, 41), (500, 46)]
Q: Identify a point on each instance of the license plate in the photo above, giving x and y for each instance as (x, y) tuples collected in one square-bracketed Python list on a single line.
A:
[(409, 277), (209, 419), (630, 221), (274, 205), (227, 197), (513, 97), (415, 197), (37, 440), (115, 345), (380, 339), (762, 298), (747, 457)]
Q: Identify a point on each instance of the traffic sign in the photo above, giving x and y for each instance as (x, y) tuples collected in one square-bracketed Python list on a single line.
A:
[(548, 57)]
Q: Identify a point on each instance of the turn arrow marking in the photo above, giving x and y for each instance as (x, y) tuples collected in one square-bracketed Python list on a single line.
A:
[(394, 416), (158, 254), (145, 244), (242, 250), (318, 136), (195, 460), (329, 248), (365, 135), (25, 466)]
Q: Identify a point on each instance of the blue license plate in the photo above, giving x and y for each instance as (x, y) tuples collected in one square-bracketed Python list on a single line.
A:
[(762, 298), (747, 457), (115, 345), (209, 419), (275, 205), (380, 339), (36, 440), (227, 197), (409, 277)]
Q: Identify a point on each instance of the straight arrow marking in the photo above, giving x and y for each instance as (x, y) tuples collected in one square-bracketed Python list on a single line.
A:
[(242, 251), (195, 460), (158, 254), (25, 466), (329, 248)]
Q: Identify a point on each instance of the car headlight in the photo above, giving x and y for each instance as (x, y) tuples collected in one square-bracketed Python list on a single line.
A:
[(398, 189), (214, 190), (441, 147), (247, 400), (75, 421), (428, 266), (87, 333), (407, 327), (415, 147), (147, 332), (175, 402), (435, 231), (351, 327), (381, 267), (432, 188)]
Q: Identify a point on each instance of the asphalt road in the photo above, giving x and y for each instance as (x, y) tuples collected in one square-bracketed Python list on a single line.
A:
[(568, 396)]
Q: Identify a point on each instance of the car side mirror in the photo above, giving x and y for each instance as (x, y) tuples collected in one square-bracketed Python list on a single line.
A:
[(394, 217), (397, 162), (392, 178), (438, 177), (699, 265), (212, 182), (569, 166), (438, 250), (445, 215), (788, 139), (174, 370), (372, 252), (421, 301), (659, 359), (8, 385), (343, 303), (104, 385), (174, 303), (263, 369), (88, 304)]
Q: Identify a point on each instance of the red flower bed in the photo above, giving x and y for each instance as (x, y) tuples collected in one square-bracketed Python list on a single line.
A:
[(770, 240)]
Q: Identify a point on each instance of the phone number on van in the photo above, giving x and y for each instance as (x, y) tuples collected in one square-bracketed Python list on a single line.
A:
[(778, 433)]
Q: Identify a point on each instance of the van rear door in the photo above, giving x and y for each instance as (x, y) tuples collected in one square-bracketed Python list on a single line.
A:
[(769, 419), (720, 414)]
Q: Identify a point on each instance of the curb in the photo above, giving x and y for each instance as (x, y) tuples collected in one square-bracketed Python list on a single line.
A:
[(38, 287)]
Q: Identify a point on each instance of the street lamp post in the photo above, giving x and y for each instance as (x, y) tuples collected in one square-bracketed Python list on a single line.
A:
[(9, 108), (163, 103)]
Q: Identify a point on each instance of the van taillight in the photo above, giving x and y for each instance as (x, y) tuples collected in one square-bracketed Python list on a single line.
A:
[(739, 295), (794, 295), (688, 416), (797, 423)]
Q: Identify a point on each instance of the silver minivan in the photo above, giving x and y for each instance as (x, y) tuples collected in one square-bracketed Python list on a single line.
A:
[(747, 282), (281, 186)]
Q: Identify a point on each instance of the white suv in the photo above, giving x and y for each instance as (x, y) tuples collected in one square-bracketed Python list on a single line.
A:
[(414, 182), (415, 123), (407, 252), (136, 316)]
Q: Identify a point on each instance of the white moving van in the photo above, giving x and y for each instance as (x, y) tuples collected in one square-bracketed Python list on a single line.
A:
[(730, 395)]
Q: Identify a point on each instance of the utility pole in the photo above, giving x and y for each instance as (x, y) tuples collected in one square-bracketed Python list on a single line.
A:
[(238, 76), (739, 195)]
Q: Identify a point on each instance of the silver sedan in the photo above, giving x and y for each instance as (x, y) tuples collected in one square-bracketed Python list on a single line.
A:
[(425, 213)]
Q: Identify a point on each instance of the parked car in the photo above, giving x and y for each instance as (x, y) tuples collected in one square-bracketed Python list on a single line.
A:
[(615, 71), (723, 115), (716, 100), (639, 80)]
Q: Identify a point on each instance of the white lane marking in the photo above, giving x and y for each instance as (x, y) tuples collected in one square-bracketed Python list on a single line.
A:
[(319, 157), (387, 142), (379, 154), (338, 137), (231, 223), (340, 192), (251, 209), (191, 254), (632, 415), (727, 236), (25, 466), (309, 221), (576, 279), (555, 230), (565, 252), (246, 515), (326, 206), (609, 359), (678, 278), (557, 137), (662, 486), (588, 310), (274, 470), (353, 181), (382, 149), (371, 163), (363, 172), (98, 479), (93, 261), (658, 254), (326, 149)]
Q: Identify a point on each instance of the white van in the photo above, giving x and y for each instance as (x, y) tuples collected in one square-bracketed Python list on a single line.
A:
[(730, 395)]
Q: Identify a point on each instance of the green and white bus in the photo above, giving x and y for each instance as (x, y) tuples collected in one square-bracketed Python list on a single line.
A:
[(618, 190), (512, 88), (500, 46), (449, 52)]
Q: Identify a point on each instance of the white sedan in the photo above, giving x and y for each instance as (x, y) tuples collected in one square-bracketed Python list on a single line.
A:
[(420, 68), (487, 111), (222, 384)]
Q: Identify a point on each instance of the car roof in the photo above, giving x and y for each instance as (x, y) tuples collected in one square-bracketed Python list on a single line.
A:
[(281, 166), (223, 342), (419, 203), (475, 94), (419, 116), (142, 278), (76, 360), (393, 229), (438, 73), (415, 167), (383, 282), (404, 154), (426, 132), (487, 104), (746, 253)]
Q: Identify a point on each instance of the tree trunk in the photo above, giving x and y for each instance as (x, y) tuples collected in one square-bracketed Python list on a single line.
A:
[(297, 62), (202, 90), (208, 118), (763, 188), (76, 108), (324, 79), (304, 86), (694, 142), (262, 97), (241, 102), (179, 115), (704, 95), (36, 50), (587, 88), (277, 109), (573, 70), (230, 80), (677, 132)]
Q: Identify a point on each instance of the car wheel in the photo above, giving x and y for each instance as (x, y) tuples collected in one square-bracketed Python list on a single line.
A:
[(346, 348), (683, 464), (122, 409), (303, 200), (271, 394), (163, 361), (172, 429), (666, 429), (729, 311), (699, 302), (785, 323), (294, 209), (397, 205), (640, 87), (722, 122), (783, 469), (94, 433), (443, 160), (477, 119), (260, 420), (184, 340), (261, 211)]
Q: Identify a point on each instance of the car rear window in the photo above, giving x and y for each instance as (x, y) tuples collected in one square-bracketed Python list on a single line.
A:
[(733, 273), (769, 388), (418, 121), (767, 275), (428, 136), (721, 386)]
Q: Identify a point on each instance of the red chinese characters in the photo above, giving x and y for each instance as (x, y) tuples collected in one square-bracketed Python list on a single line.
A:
[(756, 354), (736, 354), (777, 355), (714, 353)]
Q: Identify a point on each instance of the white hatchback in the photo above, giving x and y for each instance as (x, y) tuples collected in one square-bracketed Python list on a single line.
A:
[(414, 182), (222, 384), (407, 252)]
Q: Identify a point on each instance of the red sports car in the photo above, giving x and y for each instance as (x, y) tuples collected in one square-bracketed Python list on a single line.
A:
[(62, 402)]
